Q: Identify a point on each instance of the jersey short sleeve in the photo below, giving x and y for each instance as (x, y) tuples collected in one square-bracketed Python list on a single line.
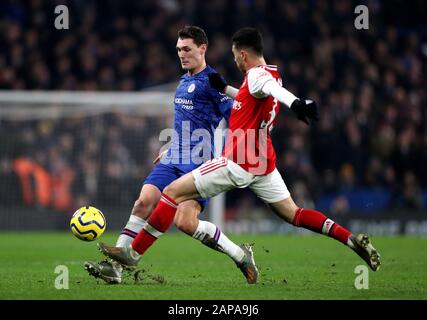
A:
[(257, 78)]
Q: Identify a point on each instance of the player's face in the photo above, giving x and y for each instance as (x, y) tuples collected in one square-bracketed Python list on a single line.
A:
[(239, 58), (191, 56)]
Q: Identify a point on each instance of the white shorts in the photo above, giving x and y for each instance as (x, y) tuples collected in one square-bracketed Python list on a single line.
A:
[(221, 174)]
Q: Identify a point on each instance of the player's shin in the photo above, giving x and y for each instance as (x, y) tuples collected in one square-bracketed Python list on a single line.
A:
[(130, 231), (158, 223), (210, 235), (316, 221)]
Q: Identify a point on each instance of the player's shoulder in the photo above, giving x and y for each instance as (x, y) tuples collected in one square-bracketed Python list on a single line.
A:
[(209, 69), (203, 76), (258, 75), (205, 79), (262, 70), (201, 79), (269, 67)]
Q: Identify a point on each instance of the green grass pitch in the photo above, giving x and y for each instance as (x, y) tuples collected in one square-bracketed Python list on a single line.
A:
[(178, 267)]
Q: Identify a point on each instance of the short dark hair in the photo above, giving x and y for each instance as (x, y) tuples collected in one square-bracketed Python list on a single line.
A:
[(249, 38), (193, 32)]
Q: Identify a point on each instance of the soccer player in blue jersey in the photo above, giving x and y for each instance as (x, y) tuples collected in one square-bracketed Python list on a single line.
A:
[(198, 109)]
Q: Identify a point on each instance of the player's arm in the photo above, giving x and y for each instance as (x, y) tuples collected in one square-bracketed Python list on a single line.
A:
[(231, 91), (217, 82), (262, 84), (304, 109), (274, 89)]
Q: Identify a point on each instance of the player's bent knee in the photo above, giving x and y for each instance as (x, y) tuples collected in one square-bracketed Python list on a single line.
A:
[(285, 209), (143, 207)]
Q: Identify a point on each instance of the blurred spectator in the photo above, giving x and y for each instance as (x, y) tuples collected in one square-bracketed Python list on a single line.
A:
[(408, 196), (340, 205)]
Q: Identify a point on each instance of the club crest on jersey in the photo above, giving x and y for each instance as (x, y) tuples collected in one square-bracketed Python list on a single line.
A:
[(191, 88)]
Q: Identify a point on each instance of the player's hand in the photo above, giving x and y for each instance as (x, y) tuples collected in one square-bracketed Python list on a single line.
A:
[(305, 110), (217, 82), (159, 157)]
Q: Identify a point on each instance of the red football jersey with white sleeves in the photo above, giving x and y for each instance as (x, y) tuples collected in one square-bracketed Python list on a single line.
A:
[(249, 142)]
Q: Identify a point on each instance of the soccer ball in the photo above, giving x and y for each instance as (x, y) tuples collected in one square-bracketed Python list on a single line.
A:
[(88, 223)]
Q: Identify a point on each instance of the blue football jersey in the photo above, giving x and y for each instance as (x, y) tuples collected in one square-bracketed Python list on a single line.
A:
[(198, 111)]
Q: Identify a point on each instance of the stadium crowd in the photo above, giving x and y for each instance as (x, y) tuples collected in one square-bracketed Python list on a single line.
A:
[(369, 84)]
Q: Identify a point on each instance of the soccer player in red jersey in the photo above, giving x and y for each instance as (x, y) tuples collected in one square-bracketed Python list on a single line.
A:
[(248, 159)]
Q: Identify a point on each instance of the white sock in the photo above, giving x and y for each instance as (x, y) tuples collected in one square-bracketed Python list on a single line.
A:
[(130, 231), (210, 235)]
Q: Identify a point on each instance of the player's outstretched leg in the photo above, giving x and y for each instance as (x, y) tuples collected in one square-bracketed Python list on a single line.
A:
[(317, 222)]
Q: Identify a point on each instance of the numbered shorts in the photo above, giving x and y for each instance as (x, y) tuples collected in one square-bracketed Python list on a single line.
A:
[(221, 174)]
